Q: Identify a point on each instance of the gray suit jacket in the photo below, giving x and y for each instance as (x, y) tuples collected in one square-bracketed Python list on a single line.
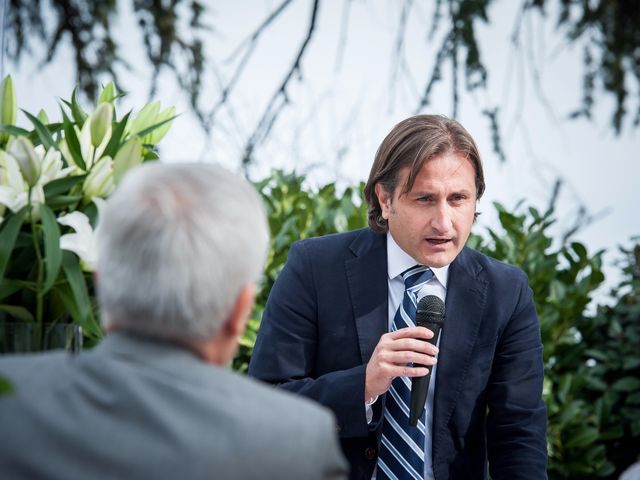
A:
[(134, 408)]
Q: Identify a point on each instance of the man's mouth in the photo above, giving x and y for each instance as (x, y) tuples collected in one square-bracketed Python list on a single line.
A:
[(438, 241)]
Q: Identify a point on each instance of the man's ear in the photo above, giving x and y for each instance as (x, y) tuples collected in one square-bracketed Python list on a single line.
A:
[(384, 198), (237, 320)]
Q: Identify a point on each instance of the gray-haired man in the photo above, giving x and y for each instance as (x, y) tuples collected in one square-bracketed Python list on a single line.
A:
[(180, 249)]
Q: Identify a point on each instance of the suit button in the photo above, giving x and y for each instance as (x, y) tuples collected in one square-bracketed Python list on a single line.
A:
[(369, 453)]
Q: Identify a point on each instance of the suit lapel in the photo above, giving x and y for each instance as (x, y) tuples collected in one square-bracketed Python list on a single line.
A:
[(368, 287), (466, 296)]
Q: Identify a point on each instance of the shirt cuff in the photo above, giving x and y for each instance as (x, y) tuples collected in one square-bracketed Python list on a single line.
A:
[(368, 411)]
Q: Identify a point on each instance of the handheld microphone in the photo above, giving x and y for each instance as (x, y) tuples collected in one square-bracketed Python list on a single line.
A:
[(429, 314)]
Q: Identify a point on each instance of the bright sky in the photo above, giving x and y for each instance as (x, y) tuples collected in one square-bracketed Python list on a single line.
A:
[(348, 101)]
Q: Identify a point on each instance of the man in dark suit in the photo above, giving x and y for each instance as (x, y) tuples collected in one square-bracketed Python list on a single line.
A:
[(180, 249), (338, 326)]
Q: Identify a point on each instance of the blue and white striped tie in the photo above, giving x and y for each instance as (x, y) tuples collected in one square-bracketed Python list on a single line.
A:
[(402, 449)]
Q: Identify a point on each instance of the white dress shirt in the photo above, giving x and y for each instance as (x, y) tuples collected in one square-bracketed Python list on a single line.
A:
[(397, 262)]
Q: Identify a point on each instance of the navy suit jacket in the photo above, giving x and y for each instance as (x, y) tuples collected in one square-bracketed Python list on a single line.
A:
[(326, 313)]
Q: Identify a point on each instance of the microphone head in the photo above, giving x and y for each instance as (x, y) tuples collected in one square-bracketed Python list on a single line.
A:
[(430, 310)]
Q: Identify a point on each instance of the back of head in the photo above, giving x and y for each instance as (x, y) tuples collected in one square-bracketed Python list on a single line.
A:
[(410, 143), (176, 245)]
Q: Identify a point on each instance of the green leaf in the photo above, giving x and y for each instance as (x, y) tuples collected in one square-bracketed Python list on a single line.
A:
[(569, 414), (62, 201), (564, 388), (76, 110), (634, 399), (53, 253), (72, 141), (77, 282), (150, 129), (8, 234), (43, 132), (596, 383), (18, 312), (630, 363), (129, 156), (580, 250), (597, 354), (63, 291), (626, 384), (612, 433), (116, 136), (62, 185), (75, 277), (15, 131), (5, 386), (108, 93), (9, 287), (584, 437), (149, 154)]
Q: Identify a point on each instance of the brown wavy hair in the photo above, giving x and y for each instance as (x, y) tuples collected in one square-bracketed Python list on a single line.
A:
[(412, 142)]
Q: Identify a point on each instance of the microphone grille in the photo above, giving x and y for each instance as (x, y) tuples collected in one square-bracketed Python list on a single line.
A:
[(430, 309)]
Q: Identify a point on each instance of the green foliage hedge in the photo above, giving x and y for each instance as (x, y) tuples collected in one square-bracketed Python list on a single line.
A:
[(592, 362)]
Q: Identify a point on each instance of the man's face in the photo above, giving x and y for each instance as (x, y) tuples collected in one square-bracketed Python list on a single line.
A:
[(432, 222)]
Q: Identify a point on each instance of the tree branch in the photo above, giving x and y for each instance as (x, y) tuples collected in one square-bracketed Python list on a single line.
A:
[(280, 97), (249, 45)]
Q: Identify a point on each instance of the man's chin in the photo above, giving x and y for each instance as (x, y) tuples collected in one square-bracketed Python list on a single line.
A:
[(439, 259)]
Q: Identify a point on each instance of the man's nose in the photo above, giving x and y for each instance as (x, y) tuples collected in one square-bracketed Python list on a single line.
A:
[(442, 218)]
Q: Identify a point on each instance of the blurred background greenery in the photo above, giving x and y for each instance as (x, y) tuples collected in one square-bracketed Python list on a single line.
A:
[(271, 87)]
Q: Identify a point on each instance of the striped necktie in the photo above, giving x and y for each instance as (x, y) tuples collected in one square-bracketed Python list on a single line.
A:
[(402, 449)]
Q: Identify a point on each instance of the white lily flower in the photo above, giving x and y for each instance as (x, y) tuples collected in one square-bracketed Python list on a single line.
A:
[(99, 182), (51, 165), (30, 165), (88, 152), (82, 242), (147, 117), (100, 124), (13, 188)]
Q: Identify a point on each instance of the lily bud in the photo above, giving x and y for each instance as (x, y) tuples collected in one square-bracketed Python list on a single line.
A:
[(129, 156), (7, 105), (100, 123), (99, 182), (22, 150), (108, 93), (8, 102), (145, 118), (42, 116), (159, 133)]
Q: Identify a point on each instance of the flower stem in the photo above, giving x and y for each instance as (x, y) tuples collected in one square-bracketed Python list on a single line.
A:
[(40, 277)]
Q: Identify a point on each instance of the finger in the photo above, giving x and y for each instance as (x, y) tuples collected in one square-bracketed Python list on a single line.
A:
[(412, 344), (406, 371), (404, 357), (411, 332)]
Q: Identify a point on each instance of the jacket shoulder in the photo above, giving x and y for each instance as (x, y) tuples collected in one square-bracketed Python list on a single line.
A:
[(496, 269), (349, 244)]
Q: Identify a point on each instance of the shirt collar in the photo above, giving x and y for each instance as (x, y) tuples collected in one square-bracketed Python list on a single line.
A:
[(398, 261)]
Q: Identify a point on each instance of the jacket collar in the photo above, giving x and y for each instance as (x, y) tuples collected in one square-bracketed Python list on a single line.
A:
[(367, 280)]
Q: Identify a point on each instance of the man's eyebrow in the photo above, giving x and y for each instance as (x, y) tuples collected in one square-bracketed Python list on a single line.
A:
[(462, 190)]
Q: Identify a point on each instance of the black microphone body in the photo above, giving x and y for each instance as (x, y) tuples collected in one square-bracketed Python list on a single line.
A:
[(429, 314)]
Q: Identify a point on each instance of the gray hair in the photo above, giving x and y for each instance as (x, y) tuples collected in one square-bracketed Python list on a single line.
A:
[(176, 245)]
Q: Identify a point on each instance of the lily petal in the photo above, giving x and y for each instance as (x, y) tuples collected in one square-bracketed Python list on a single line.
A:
[(12, 178), (78, 221), (83, 242)]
